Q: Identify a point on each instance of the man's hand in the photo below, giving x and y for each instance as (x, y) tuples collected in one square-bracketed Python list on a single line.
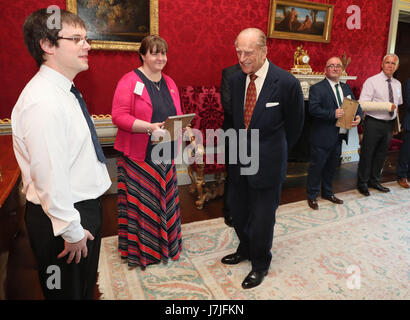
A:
[(339, 113), (356, 121), (76, 249)]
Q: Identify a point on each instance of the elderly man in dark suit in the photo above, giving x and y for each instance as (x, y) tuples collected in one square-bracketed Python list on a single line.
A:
[(268, 114), (325, 100), (227, 124), (403, 162)]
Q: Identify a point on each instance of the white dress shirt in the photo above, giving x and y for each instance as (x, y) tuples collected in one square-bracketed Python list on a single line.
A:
[(376, 89), (261, 73), (53, 147), (341, 95)]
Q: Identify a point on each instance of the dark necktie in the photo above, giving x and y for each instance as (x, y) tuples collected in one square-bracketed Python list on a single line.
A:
[(250, 100), (339, 100), (97, 146), (391, 99)]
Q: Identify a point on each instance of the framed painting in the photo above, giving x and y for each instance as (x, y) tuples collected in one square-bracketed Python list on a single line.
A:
[(300, 20), (117, 24)]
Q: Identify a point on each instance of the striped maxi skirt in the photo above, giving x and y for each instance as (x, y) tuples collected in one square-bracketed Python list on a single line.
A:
[(149, 221)]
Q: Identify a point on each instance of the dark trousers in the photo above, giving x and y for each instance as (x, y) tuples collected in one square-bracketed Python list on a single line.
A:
[(71, 281), (375, 144), (322, 167), (254, 215), (227, 188), (403, 167)]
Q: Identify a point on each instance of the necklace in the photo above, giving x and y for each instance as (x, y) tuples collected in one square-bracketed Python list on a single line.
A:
[(157, 84)]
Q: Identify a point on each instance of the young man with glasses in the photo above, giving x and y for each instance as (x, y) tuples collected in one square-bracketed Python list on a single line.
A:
[(62, 164), (325, 101)]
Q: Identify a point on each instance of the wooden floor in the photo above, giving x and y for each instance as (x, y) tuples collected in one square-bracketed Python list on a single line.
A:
[(22, 281)]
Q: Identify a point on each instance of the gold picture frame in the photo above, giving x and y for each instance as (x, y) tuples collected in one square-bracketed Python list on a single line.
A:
[(112, 24), (300, 20)]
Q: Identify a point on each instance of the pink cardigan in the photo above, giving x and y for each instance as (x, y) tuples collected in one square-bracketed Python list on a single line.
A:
[(128, 106)]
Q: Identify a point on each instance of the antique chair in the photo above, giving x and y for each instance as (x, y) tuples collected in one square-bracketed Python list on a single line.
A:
[(205, 102)]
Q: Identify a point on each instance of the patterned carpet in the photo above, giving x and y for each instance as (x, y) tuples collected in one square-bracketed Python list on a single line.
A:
[(358, 250)]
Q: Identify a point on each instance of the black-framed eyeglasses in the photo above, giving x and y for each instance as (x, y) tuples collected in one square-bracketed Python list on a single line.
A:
[(77, 40)]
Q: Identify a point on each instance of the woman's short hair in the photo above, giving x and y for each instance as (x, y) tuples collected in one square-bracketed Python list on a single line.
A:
[(37, 27), (151, 43)]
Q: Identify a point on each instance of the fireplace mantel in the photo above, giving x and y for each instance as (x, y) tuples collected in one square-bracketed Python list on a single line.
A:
[(308, 80)]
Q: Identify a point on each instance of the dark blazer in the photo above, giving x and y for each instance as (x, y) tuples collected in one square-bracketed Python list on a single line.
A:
[(279, 126), (226, 94), (406, 120), (322, 106)]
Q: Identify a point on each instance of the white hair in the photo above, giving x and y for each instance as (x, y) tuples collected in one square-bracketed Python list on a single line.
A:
[(260, 36), (392, 55)]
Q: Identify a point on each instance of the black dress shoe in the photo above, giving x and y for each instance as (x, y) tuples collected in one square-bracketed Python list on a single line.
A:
[(229, 221), (254, 279), (313, 204), (233, 258), (364, 191), (334, 199), (379, 187)]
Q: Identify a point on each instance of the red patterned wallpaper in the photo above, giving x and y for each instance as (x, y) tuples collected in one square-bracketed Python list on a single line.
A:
[(200, 35)]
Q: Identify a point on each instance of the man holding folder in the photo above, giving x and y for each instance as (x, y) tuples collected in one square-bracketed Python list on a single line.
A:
[(325, 102)]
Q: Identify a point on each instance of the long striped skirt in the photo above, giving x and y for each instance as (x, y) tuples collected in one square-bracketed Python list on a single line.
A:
[(149, 221)]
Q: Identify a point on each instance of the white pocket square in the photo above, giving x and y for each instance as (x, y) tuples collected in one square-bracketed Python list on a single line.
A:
[(272, 104)]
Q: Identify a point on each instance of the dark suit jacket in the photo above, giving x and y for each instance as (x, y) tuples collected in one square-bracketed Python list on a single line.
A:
[(226, 94), (279, 126), (322, 106), (406, 121)]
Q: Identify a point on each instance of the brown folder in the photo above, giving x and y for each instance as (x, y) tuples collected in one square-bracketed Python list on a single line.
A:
[(172, 123), (349, 107)]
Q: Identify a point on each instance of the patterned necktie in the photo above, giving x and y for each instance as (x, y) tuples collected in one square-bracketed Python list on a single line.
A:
[(391, 99), (339, 104), (250, 100), (339, 100), (97, 146)]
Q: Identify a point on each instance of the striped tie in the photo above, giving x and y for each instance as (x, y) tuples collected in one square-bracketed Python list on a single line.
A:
[(391, 99), (339, 100)]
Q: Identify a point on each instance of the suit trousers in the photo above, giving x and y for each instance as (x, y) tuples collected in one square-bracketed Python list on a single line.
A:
[(72, 281), (403, 162), (375, 144), (322, 167), (227, 187), (254, 215)]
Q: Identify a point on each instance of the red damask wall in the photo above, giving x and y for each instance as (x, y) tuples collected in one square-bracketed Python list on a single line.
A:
[(200, 35)]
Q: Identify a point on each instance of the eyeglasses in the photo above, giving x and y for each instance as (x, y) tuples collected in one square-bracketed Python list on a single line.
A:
[(77, 40), (337, 66)]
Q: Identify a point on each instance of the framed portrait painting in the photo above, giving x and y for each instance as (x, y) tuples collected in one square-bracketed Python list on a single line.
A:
[(117, 24), (300, 20)]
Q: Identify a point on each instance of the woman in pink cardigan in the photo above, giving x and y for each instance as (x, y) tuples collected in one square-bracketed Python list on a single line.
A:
[(149, 223)]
